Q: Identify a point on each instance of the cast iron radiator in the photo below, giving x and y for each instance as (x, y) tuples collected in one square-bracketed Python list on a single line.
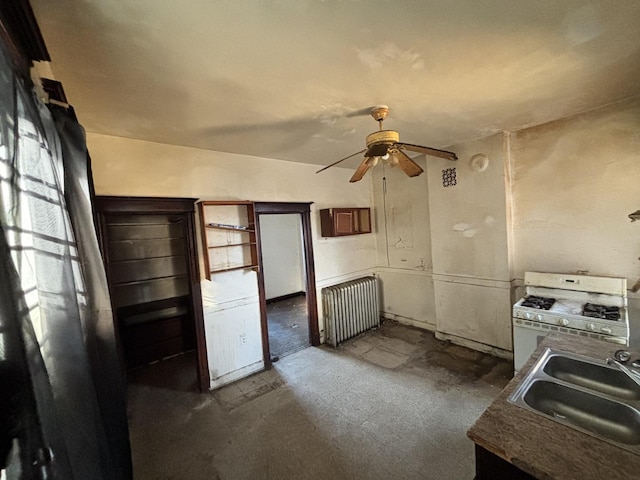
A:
[(350, 308)]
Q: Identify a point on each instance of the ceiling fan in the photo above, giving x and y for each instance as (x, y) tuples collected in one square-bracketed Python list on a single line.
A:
[(385, 145)]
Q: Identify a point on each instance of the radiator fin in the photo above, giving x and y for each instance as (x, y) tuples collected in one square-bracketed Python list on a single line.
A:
[(350, 308)]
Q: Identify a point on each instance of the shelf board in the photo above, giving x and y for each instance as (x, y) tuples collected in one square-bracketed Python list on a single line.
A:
[(231, 229), (243, 267), (223, 203), (132, 283), (243, 244)]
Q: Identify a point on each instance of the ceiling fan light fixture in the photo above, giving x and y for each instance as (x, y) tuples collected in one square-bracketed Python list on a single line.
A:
[(372, 161)]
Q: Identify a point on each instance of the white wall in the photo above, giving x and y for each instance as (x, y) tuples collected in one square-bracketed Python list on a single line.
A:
[(469, 237), (282, 254), (138, 168), (404, 245), (574, 182)]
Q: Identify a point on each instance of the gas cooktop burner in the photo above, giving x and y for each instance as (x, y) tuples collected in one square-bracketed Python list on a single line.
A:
[(601, 311), (543, 303)]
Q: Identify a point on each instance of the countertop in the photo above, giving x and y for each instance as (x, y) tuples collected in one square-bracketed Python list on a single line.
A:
[(542, 447)]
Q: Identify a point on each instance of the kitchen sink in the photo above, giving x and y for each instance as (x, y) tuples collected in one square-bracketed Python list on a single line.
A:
[(599, 415), (585, 394), (600, 378)]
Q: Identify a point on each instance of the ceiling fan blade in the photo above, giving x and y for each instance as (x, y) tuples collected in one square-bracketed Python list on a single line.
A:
[(407, 165), (428, 151), (360, 171), (341, 160)]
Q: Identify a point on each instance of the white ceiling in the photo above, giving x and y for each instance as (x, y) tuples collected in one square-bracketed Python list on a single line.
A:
[(286, 79)]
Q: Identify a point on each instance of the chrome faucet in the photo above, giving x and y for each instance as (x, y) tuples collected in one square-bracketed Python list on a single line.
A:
[(632, 374)]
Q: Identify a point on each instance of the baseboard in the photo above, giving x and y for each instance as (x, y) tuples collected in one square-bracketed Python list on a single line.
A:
[(285, 297), (408, 321), (481, 347)]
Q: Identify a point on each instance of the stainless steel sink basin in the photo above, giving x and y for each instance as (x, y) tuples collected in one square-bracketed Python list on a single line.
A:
[(585, 394), (599, 415), (599, 378)]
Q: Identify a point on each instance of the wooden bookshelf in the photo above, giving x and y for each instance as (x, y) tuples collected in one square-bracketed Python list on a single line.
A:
[(233, 247)]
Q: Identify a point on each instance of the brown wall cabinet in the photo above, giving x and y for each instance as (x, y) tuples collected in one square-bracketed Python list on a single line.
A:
[(338, 222)]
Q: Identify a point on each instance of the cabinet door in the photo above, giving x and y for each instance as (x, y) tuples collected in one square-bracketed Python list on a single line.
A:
[(363, 220), (343, 222)]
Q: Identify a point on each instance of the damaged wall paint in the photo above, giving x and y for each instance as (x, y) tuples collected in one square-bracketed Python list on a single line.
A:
[(402, 218), (469, 233), (469, 230), (465, 229), (468, 223), (574, 182)]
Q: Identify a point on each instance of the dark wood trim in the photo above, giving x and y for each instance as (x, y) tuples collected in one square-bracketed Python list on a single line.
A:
[(226, 202), (203, 239), (204, 381), (19, 23), (20, 63), (144, 205), (54, 90), (304, 209), (262, 297), (312, 302), (106, 205), (284, 297), (282, 207)]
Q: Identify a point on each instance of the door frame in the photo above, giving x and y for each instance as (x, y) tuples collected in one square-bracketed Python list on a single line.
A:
[(304, 210), (106, 205)]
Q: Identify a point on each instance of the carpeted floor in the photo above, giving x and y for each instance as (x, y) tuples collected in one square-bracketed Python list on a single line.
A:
[(391, 404)]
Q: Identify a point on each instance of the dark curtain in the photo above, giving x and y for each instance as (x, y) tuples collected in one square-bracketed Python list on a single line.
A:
[(62, 408)]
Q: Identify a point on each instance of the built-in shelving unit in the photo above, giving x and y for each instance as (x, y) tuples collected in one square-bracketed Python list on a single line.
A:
[(228, 236), (148, 246)]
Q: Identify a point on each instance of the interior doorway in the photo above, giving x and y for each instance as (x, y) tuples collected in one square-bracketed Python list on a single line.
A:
[(286, 279), (284, 283)]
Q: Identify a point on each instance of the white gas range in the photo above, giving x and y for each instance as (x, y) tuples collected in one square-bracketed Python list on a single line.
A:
[(574, 304)]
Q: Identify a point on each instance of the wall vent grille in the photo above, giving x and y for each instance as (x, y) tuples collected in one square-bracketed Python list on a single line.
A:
[(449, 177)]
